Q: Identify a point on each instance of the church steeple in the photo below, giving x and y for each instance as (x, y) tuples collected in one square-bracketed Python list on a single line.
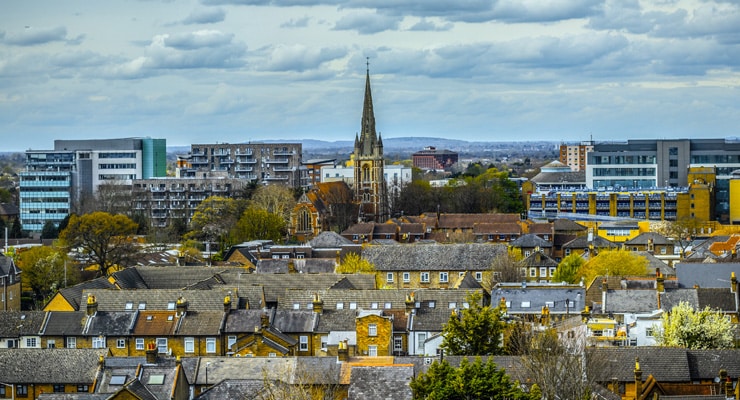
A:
[(368, 136)]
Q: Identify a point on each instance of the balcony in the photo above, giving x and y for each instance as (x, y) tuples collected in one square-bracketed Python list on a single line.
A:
[(246, 160), (277, 178), (283, 153), (244, 169), (283, 169), (278, 161), (225, 161), (247, 152)]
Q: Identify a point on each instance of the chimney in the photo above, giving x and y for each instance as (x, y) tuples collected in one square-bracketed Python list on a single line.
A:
[(585, 314), (227, 303), (151, 353), (604, 290), (638, 378), (410, 303), (545, 320), (722, 379), (615, 385), (343, 351), (92, 305), (291, 267), (182, 306), (733, 282), (502, 306), (318, 304), (264, 320), (659, 281)]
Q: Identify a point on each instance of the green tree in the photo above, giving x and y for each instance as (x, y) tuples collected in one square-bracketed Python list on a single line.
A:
[(354, 264), (695, 329), (49, 231), (475, 330), (567, 270), (276, 199), (16, 232), (213, 219), (44, 271), (614, 263), (259, 224), (476, 380), (106, 239)]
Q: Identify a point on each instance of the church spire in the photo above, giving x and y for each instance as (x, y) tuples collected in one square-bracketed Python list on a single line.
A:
[(368, 137)]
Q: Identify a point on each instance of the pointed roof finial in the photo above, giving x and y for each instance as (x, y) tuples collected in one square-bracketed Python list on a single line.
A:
[(367, 63)]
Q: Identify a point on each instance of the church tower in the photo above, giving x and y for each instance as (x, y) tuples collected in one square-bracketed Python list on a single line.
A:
[(370, 188)]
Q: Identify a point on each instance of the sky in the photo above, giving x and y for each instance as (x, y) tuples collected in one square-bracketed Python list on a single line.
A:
[(207, 71)]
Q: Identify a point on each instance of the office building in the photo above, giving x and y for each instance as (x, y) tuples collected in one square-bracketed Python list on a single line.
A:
[(432, 159), (574, 156)]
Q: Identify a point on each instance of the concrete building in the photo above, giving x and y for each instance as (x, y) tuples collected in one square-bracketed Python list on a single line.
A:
[(645, 164), (56, 181), (432, 159), (266, 163), (574, 156)]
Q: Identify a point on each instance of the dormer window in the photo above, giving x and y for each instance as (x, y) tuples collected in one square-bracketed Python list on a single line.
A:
[(129, 305), (431, 304), (142, 306), (171, 305)]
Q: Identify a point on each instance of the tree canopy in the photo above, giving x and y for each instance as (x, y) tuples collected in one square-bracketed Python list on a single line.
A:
[(353, 263), (614, 263), (44, 271), (213, 219), (259, 224), (475, 330), (104, 238), (695, 329), (476, 380), (567, 270)]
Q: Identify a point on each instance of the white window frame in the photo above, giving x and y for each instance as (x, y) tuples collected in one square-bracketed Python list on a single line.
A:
[(444, 277), (479, 276), (372, 350), (303, 346), (120, 343), (421, 337), (162, 345), (139, 343), (389, 277), (543, 272), (51, 344), (231, 340), (372, 329), (424, 277), (189, 345), (397, 343), (406, 277), (210, 345), (71, 342), (98, 342)]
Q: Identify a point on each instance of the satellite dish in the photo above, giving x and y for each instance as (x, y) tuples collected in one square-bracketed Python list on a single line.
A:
[(716, 379)]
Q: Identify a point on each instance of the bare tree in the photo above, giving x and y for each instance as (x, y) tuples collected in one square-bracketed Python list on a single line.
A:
[(505, 267)]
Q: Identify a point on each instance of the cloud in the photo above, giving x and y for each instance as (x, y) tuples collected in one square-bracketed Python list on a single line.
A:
[(427, 25), (543, 10), (367, 23), (296, 23), (205, 16), (300, 58), (36, 36), (193, 40)]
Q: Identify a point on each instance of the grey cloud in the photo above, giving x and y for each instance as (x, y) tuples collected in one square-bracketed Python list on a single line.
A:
[(296, 23), (426, 25), (543, 10), (195, 40), (367, 23), (721, 23), (35, 36), (300, 58), (205, 16)]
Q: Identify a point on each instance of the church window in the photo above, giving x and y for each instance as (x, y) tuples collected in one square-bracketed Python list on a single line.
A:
[(304, 220)]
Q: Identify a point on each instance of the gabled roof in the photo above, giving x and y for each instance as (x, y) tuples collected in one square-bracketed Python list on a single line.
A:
[(433, 257), (531, 298), (20, 323), (705, 364), (714, 275), (503, 228), (337, 320), (63, 323), (411, 228), (141, 378), (541, 229), (671, 298), (467, 221), (654, 263), (7, 266), (295, 321), (582, 242), (73, 294), (151, 323), (530, 241), (631, 301), (665, 364), (233, 389), (110, 323), (566, 225), (305, 265), (381, 382), (329, 239), (201, 323), (50, 366), (717, 299), (363, 228), (644, 238), (243, 321), (538, 259), (159, 299), (430, 320)]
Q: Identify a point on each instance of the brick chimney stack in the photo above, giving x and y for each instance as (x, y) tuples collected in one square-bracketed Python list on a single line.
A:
[(659, 281), (343, 351), (151, 353), (318, 304), (638, 378), (92, 305)]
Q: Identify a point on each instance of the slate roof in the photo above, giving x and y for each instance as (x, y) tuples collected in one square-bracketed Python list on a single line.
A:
[(671, 298), (294, 321), (530, 241), (507, 228), (716, 299), (714, 275), (363, 228), (201, 323), (73, 294), (384, 382), (275, 284), (23, 366), (233, 389), (581, 242), (329, 239), (291, 370), (537, 297), (559, 178), (467, 221), (21, 323), (654, 263), (137, 373), (538, 259), (433, 257), (430, 320), (174, 277), (110, 323), (631, 301), (7, 266), (242, 321), (665, 364), (337, 320), (566, 225), (705, 364), (157, 299), (306, 266), (643, 238)]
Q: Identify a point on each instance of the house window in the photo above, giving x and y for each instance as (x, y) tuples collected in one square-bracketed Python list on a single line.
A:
[(479, 276), (425, 277), (31, 342), (58, 388), (567, 252), (389, 277), (140, 344), (452, 305), (527, 253), (533, 272), (374, 306), (129, 305), (662, 250), (303, 343), (352, 305), (83, 388), (2, 391), (372, 329), (296, 306), (171, 305), (420, 338), (189, 345), (432, 304), (543, 272), (272, 355), (210, 345), (71, 343), (21, 390), (162, 345), (649, 332), (51, 344), (121, 343), (142, 306), (525, 304), (406, 277), (549, 304), (231, 341), (552, 271), (397, 343), (340, 306), (372, 350), (387, 306), (443, 277), (98, 342)]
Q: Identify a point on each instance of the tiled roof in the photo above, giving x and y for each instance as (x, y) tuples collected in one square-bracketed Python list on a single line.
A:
[(466, 221), (157, 299), (151, 323), (508, 228), (50, 365), (7, 266), (412, 228), (560, 178), (645, 237), (671, 298), (716, 299), (364, 228), (329, 239), (139, 390), (431, 320), (581, 242), (365, 382), (19, 323), (705, 364), (436, 257), (306, 266), (337, 320), (110, 323), (654, 263), (233, 389), (129, 278), (631, 301), (714, 275), (566, 225), (243, 321), (73, 294), (530, 241), (531, 299), (386, 228), (541, 228), (295, 321), (201, 323), (538, 259), (179, 277), (62, 323), (665, 364)]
